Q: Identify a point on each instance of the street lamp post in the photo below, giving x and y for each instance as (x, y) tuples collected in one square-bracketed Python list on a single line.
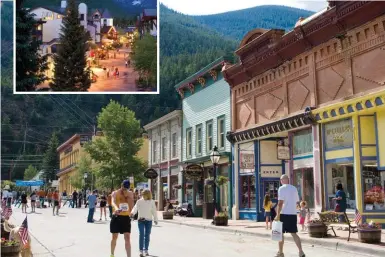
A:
[(85, 176), (214, 157)]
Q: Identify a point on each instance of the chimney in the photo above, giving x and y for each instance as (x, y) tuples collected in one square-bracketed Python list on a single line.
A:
[(63, 4)]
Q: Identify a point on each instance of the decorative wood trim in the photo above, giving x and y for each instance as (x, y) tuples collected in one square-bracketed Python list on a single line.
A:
[(202, 81), (190, 86), (214, 74)]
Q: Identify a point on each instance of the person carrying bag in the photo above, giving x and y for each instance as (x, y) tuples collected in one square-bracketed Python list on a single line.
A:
[(146, 210)]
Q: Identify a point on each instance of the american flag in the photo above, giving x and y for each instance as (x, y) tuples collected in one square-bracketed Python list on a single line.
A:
[(216, 212), (358, 217), (23, 232), (3, 204), (7, 212)]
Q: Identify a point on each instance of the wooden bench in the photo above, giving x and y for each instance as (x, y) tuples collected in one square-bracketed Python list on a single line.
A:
[(331, 220)]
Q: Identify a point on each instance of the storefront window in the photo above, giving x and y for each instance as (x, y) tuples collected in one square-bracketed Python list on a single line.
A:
[(304, 182), (374, 188), (344, 174), (248, 197), (302, 142), (174, 191)]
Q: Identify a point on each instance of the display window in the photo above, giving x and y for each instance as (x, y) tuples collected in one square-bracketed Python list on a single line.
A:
[(304, 182), (248, 196), (374, 188), (344, 174)]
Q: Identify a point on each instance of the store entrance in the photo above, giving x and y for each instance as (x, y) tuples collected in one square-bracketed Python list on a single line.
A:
[(270, 187)]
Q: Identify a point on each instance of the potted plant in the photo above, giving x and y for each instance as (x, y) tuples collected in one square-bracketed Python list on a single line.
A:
[(316, 228), (369, 233), (9, 247), (221, 219), (168, 214), (209, 182), (221, 180)]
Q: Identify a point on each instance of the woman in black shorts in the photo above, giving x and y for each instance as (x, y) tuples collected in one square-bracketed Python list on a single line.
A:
[(103, 204), (24, 202)]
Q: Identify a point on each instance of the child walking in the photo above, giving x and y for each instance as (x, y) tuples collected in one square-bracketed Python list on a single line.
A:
[(302, 215), (267, 204)]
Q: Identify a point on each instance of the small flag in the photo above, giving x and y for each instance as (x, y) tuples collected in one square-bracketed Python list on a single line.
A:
[(216, 212), (358, 217), (7, 212), (23, 232)]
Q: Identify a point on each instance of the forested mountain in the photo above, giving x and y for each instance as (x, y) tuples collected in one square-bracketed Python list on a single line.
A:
[(236, 24), (118, 8)]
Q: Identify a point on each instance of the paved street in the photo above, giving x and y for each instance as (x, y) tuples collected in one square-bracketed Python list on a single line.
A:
[(69, 235), (125, 82)]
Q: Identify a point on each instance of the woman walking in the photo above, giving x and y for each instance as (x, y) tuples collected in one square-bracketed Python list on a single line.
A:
[(24, 202), (49, 197), (56, 203), (33, 197), (146, 210), (103, 204)]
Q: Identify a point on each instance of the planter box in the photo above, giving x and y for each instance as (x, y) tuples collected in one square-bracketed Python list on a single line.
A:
[(370, 236), (221, 221), (317, 230), (167, 215), (12, 250)]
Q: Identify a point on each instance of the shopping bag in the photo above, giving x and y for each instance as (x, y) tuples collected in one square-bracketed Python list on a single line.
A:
[(276, 232)]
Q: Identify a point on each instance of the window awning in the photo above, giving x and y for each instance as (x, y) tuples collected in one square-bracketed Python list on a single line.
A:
[(281, 125)]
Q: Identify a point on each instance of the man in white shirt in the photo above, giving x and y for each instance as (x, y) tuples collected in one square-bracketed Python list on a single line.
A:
[(287, 213), (7, 195)]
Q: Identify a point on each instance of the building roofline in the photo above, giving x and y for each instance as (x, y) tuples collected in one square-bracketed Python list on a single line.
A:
[(73, 138), (163, 119)]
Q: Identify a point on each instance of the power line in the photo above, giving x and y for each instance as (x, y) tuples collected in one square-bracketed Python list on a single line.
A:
[(18, 141), (67, 97), (80, 116)]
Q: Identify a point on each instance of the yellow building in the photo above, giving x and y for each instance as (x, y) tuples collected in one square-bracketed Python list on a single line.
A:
[(70, 153), (72, 150), (353, 139)]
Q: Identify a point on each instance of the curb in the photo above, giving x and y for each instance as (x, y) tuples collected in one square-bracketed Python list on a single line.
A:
[(338, 246)]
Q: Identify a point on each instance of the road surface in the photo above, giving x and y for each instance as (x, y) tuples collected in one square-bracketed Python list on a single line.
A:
[(68, 235)]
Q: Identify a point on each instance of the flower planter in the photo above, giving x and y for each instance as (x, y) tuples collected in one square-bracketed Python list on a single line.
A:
[(167, 215), (221, 220), (4, 234), (10, 250), (317, 230), (370, 236)]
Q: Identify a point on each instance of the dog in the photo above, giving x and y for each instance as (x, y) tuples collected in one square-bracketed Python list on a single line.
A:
[(14, 235)]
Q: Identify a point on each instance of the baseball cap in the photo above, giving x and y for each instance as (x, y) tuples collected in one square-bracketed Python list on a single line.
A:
[(126, 184)]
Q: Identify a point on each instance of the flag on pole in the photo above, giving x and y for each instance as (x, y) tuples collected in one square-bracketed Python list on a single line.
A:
[(7, 212), (358, 216), (23, 232)]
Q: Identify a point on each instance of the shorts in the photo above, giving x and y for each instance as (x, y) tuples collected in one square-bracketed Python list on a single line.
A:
[(24, 201), (301, 220), (267, 214), (32, 201), (103, 204), (120, 224), (56, 203), (289, 223)]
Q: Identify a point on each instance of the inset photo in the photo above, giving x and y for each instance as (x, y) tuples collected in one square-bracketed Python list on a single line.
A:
[(71, 46)]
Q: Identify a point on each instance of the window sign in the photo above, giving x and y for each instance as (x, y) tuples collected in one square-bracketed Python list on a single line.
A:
[(338, 134), (246, 164), (271, 171)]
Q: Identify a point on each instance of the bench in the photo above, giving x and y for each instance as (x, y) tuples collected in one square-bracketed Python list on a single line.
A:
[(331, 219)]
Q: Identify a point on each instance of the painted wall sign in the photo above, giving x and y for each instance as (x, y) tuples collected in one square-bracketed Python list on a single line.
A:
[(151, 174), (271, 171), (283, 152), (246, 164), (194, 171), (338, 134)]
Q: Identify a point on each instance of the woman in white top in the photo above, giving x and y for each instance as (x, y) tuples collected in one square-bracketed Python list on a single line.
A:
[(145, 207)]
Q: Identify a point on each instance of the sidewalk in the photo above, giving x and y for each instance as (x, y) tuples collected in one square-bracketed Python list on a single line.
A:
[(248, 227)]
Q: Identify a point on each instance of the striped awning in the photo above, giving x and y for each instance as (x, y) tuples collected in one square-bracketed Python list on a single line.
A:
[(285, 124)]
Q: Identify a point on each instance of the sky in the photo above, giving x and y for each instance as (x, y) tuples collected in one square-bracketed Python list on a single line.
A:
[(202, 7)]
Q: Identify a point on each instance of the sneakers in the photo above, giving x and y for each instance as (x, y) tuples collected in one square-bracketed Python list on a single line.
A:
[(141, 253), (145, 253), (279, 255)]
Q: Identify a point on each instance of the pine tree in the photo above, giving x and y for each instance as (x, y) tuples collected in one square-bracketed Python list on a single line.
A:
[(51, 159), (71, 72), (30, 65)]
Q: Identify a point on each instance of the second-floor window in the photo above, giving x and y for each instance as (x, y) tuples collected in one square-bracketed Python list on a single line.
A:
[(198, 146), (174, 145), (164, 147), (209, 136), (154, 151), (188, 142), (221, 132), (82, 17)]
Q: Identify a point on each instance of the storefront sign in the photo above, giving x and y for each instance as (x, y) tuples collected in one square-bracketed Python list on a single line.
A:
[(283, 150), (246, 163), (338, 134), (194, 171), (271, 171), (150, 174)]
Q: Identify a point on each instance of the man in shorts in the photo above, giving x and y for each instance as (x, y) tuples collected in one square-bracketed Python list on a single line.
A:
[(288, 200), (122, 203)]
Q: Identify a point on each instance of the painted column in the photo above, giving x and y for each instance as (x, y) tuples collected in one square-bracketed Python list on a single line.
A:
[(169, 183), (357, 163), (235, 209), (230, 188), (160, 191), (182, 190), (317, 169)]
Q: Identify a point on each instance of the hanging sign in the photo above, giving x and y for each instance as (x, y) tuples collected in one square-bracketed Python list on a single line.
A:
[(132, 185), (246, 164), (283, 149), (150, 174), (194, 171), (271, 171)]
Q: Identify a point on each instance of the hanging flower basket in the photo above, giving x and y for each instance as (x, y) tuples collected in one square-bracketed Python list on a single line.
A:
[(209, 182), (177, 186), (369, 233), (221, 180)]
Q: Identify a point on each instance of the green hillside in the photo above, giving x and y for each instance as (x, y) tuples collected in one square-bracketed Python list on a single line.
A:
[(236, 24)]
